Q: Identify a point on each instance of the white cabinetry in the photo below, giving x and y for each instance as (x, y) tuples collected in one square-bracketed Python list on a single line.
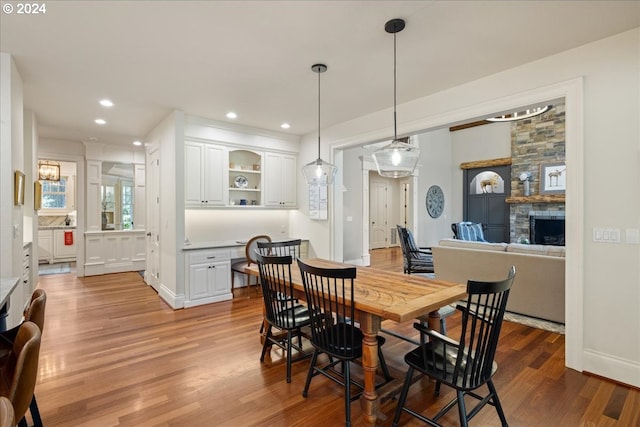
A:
[(280, 180), (208, 276), (114, 252), (62, 251), (206, 180), (45, 245)]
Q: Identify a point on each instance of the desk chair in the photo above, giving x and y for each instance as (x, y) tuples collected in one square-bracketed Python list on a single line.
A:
[(249, 253), (282, 310), (329, 293), (20, 370), (466, 364), (33, 313)]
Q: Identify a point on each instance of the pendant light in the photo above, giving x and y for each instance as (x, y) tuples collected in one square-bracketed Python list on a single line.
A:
[(398, 159), (48, 170), (319, 172)]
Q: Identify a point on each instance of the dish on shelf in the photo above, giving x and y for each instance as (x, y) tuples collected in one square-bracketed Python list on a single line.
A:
[(241, 181)]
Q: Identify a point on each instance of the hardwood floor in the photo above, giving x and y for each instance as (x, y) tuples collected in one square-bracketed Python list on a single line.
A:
[(113, 354)]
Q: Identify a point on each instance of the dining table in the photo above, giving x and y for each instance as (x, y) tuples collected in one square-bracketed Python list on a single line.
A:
[(383, 295)]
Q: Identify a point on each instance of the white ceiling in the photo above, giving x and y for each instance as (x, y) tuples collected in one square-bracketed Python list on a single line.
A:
[(254, 57)]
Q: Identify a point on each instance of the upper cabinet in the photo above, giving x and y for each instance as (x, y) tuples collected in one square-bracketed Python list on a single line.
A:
[(280, 180), (227, 176), (205, 174)]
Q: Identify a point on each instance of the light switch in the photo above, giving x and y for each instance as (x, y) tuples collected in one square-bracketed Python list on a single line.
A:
[(632, 236)]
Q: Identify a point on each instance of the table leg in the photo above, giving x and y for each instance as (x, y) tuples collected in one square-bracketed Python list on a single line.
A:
[(369, 403), (434, 321)]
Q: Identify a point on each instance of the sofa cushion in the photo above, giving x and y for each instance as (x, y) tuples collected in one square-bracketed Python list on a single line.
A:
[(499, 247), (521, 248)]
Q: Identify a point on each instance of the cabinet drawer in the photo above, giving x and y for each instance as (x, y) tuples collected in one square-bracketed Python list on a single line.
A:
[(213, 255)]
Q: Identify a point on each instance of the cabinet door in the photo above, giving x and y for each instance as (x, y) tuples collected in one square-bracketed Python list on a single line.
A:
[(214, 172), (60, 250), (199, 281), (193, 192), (289, 179), (45, 245), (221, 278), (280, 180)]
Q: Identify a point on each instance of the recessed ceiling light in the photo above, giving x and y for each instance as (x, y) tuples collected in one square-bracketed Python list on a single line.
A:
[(100, 121), (231, 115), (285, 126), (137, 143), (106, 103)]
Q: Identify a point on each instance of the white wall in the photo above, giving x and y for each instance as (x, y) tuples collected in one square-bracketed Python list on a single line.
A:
[(168, 137), (436, 166), (604, 278)]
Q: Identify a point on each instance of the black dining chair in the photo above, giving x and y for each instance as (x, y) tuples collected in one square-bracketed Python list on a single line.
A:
[(282, 310), (467, 364), (281, 248), (329, 294)]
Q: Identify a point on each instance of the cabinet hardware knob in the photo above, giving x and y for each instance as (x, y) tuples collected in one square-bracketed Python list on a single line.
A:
[(211, 257)]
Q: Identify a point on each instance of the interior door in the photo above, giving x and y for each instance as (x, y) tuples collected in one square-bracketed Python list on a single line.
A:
[(152, 271), (378, 214)]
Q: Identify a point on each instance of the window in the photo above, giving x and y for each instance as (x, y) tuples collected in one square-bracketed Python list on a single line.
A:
[(54, 194), (127, 205)]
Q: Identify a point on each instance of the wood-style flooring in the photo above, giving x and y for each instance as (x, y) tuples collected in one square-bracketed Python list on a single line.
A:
[(114, 354)]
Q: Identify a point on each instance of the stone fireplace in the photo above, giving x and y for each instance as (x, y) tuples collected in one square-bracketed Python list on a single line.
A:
[(536, 141)]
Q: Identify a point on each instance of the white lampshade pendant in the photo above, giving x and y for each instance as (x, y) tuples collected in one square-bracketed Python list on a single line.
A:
[(319, 172), (398, 159)]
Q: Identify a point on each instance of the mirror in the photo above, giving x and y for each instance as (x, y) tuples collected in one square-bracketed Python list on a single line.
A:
[(116, 196)]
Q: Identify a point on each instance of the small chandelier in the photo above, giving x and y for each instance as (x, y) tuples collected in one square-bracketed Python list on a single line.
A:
[(319, 172), (48, 170), (519, 115), (398, 159)]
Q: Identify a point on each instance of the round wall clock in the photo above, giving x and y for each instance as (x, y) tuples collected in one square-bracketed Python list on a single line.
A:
[(435, 201)]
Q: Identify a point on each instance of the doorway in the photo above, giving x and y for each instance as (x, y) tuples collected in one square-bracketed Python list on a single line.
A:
[(384, 211)]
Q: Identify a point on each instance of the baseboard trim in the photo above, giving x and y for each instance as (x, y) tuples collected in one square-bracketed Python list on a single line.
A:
[(614, 368)]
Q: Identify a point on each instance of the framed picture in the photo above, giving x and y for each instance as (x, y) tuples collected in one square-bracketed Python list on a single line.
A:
[(37, 195), (553, 178), (18, 188)]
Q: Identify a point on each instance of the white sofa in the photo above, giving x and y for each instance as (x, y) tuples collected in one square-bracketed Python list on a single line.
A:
[(538, 289)]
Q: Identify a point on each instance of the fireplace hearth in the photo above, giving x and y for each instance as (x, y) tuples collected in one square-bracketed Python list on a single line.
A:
[(547, 229)]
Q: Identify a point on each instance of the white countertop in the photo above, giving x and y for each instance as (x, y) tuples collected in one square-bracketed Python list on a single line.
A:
[(210, 245), (57, 227), (7, 285)]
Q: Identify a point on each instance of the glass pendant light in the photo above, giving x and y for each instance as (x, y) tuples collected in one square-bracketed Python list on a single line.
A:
[(319, 172), (398, 159)]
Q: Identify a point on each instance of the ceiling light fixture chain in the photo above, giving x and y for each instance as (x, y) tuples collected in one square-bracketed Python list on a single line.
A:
[(398, 159)]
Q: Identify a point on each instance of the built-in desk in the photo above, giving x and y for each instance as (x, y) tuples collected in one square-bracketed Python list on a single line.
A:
[(208, 269), (7, 286)]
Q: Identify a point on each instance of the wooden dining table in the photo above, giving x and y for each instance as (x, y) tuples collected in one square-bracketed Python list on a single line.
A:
[(383, 295)]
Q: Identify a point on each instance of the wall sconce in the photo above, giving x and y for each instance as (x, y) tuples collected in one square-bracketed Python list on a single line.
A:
[(48, 170)]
